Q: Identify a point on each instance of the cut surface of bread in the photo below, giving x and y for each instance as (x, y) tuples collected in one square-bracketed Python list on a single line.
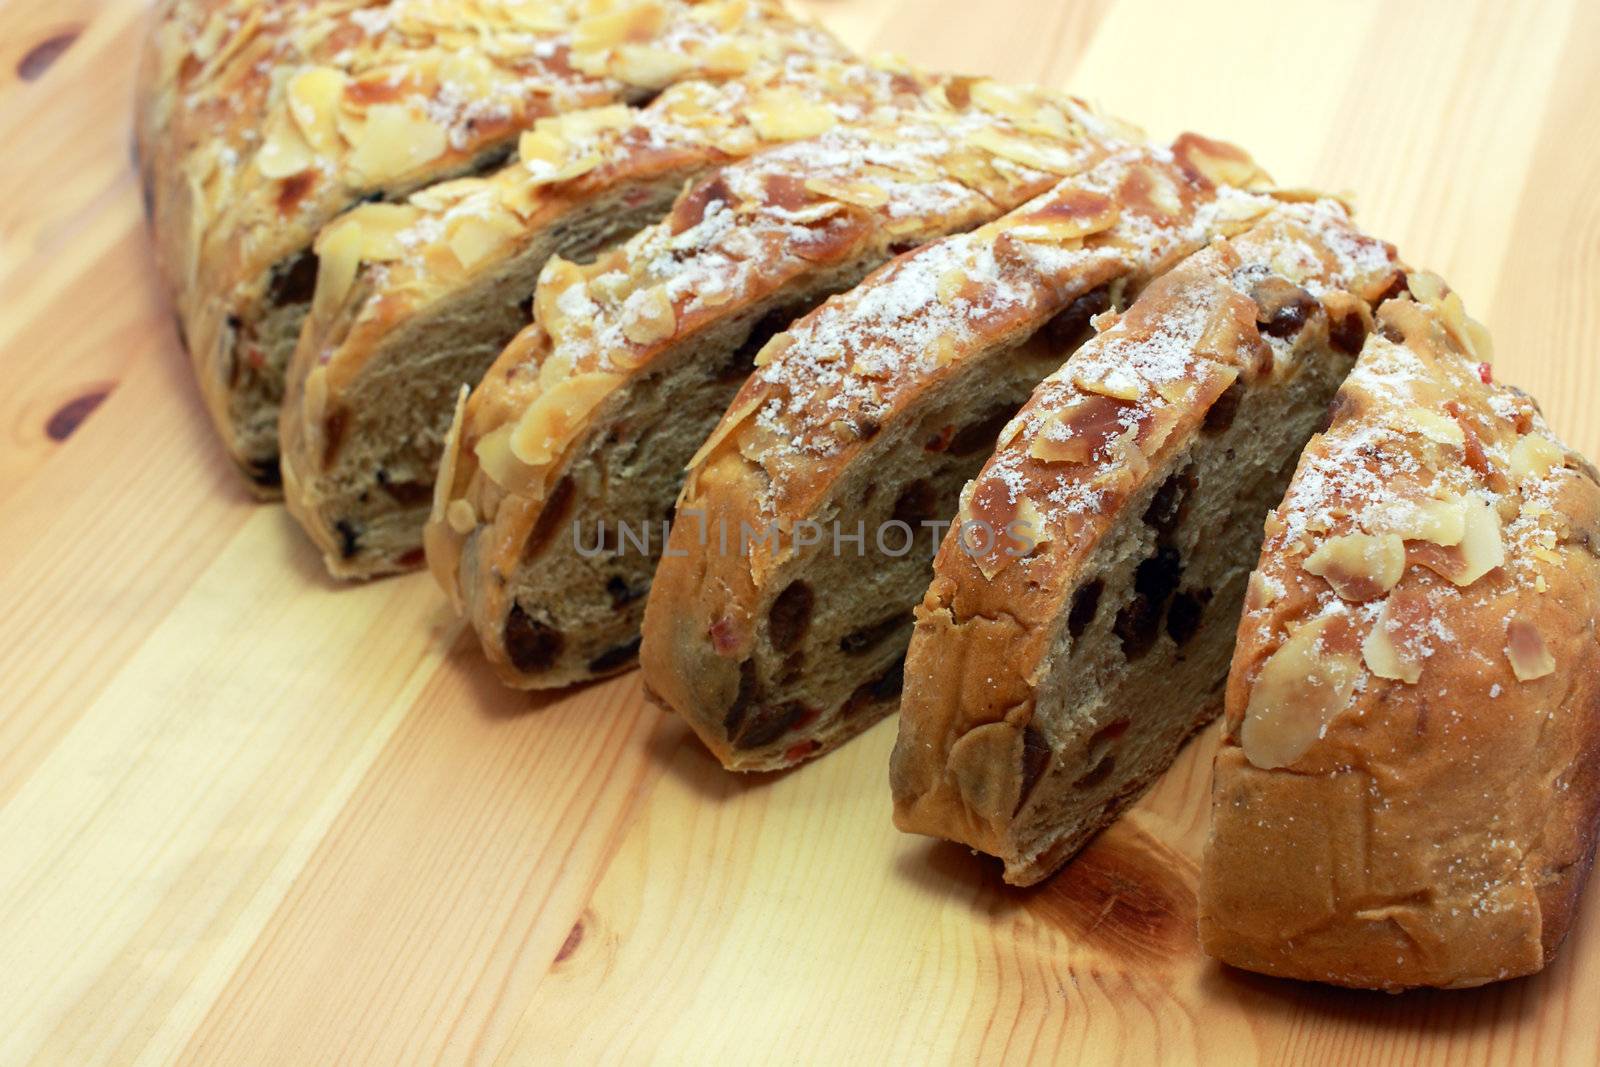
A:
[(1082, 611), (446, 278), (565, 468), (264, 121), (1408, 788), (866, 418)]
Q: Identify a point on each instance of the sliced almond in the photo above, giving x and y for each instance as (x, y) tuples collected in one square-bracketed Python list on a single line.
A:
[(394, 141), (1030, 524), (1300, 690), (382, 227), (1480, 551), (1434, 426), (1260, 591), (475, 240), (1078, 430), (743, 408), (725, 15), (546, 427), (496, 460), (1024, 107), (338, 251), (774, 349), (1037, 155), (729, 57), (1065, 219), (284, 151), (609, 29), (444, 483), (788, 115), (1383, 656), (313, 97), (1440, 522), (860, 194), (1359, 566), (1117, 382), (648, 316), (649, 66), (1220, 163), (1534, 456), (469, 74), (1525, 648), (462, 517), (555, 280), (950, 285)]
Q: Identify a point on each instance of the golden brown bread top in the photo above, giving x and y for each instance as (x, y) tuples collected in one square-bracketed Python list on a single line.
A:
[(1417, 682), (1084, 444), (277, 112), (967, 150), (397, 258), (1432, 490), (826, 384)]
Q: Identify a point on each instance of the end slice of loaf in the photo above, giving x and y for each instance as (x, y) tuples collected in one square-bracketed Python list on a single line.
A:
[(846, 451), (445, 282), (571, 452), (264, 122), (1082, 610), (1408, 790)]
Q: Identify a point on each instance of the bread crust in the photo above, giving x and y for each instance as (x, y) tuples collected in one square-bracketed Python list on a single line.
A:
[(1434, 826), (833, 392), (793, 221), (992, 627), (262, 122), (614, 170)]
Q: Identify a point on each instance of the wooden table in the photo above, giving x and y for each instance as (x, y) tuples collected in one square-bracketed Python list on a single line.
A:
[(247, 815)]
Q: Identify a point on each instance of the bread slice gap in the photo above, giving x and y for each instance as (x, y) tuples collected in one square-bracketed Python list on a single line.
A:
[(1053, 674), (588, 420), (1407, 792), (847, 450), (446, 283), (260, 130)]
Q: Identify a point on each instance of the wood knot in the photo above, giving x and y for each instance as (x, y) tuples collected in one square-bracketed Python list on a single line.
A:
[(42, 56), (570, 945), (69, 416)]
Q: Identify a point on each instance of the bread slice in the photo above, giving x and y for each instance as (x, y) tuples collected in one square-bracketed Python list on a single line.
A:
[(867, 416), (446, 279), (265, 121), (1408, 789), (591, 415), (1082, 610)]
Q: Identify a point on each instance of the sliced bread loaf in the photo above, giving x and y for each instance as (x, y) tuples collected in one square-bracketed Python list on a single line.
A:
[(778, 619), (1408, 787), (1082, 610), (552, 509), (265, 121), (445, 282)]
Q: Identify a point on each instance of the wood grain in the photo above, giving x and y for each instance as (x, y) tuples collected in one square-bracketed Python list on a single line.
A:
[(248, 816)]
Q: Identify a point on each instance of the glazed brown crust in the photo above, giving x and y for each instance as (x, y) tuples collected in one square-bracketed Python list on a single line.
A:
[(591, 169), (831, 390), (1427, 812), (263, 121), (1069, 465), (734, 243)]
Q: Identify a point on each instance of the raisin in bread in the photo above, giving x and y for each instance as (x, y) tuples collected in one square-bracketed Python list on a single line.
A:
[(581, 430), (867, 416), (444, 283), (265, 121), (1082, 610), (1408, 788)]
